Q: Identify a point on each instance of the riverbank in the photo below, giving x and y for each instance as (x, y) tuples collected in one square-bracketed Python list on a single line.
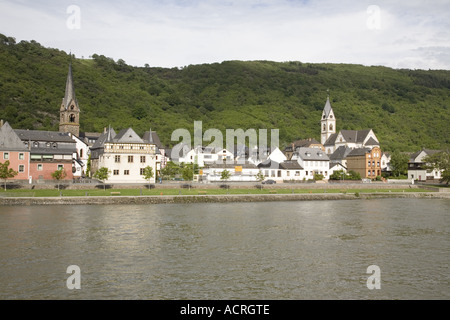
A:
[(164, 199)]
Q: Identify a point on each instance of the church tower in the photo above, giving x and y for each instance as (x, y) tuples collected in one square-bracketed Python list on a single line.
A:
[(69, 113), (327, 123)]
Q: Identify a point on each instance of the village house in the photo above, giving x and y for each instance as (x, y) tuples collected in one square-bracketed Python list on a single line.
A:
[(416, 166), (365, 161), (12, 149), (125, 155), (313, 161), (49, 151)]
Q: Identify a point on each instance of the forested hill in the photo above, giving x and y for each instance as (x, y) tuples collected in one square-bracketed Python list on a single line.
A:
[(407, 109)]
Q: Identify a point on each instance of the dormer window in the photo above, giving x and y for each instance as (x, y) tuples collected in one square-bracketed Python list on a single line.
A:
[(54, 145), (36, 144)]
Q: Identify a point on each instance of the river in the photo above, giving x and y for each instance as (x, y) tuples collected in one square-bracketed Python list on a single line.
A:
[(262, 250)]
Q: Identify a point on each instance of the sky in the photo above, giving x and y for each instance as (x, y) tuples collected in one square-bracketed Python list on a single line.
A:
[(176, 33)]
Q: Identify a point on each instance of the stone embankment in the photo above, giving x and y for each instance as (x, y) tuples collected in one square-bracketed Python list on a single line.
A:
[(124, 200)]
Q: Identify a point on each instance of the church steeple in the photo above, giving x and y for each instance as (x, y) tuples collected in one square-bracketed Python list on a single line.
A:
[(69, 120), (328, 122), (70, 90)]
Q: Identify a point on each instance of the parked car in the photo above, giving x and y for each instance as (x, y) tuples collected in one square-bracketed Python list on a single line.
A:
[(270, 181)]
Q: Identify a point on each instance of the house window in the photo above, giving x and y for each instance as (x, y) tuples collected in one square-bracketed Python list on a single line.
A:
[(368, 173), (142, 159), (130, 159), (279, 173), (306, 173), (297, 173), (60, 166), (266, 173), (39, 167), (117, 159), (21, 168), (81, 153), (6, 155), (126, 172), (116, 172), (368, 163), (21, 156), (288, 173), (142, 171)]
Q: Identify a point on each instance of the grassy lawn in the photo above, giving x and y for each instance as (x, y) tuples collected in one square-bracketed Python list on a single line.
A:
[(155, 192)]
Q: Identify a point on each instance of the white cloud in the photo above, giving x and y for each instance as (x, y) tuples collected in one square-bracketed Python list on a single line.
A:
[(177, 33)]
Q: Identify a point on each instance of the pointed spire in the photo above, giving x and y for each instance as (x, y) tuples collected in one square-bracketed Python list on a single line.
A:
[(108, 139), (327, 109), (150, 138), (70, 89)]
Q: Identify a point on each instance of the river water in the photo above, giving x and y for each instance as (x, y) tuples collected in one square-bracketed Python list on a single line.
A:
[(264, 250)]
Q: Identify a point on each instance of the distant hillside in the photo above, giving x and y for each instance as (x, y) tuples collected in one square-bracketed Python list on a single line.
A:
[(407, 109)]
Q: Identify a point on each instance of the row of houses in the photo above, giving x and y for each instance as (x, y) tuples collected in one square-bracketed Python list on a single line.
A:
[(36, 154)]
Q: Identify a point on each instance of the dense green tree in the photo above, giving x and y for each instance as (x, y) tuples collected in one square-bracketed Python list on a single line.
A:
[(102, 174), (6, 172), (439, 161), (59, 175), (148, 174), (399, 164), (225, 175)]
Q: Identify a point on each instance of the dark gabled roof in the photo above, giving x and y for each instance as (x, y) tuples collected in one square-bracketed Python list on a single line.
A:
[(9, 140), (269, 164), (358, 152), (428, 152), (304, 143), (47, 136), (356, 136), (154, 138), (90, 134), (127, 136), (109, 134), (371, 142), (340, 153), (312, 154), (331, 141), (290, 165)]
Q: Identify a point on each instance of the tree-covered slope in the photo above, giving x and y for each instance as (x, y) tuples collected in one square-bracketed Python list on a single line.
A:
[(407, 109)]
